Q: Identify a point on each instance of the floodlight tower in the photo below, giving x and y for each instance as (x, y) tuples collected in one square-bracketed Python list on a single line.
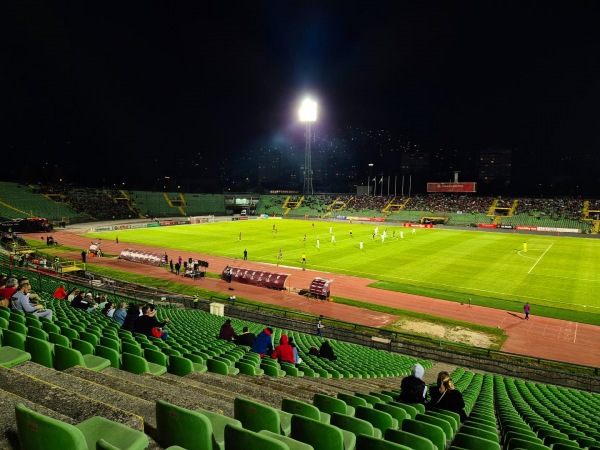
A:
[(308, 115)]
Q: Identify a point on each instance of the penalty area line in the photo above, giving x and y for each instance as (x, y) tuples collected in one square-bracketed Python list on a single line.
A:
[(540, 258)]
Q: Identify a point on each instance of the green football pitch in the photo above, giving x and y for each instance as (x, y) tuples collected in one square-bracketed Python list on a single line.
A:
[(556, 271)]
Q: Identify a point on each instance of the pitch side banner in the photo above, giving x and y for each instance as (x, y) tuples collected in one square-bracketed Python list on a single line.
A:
[(452, 187), (487, 225), (417, 225)]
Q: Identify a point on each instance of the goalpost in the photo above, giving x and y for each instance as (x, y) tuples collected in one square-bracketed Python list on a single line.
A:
[(202, 219)]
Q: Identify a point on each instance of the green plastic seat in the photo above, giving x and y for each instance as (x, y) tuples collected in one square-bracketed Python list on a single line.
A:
[(137, 364), (432, 432), (410, 440), (42, 352), (240, 438), (111, 354), (10, 357), (65, 357), (59, 339), (353, 400), (410, 409), (155, 357), (483, 433), (364, 442), (249, 369), (89, 337), (379, 419), (256, 416), (384, 397), (221, 367), (13, 339), (37, 431), (69, 332), (292, 444), (198, 429), (272, 371), (329, 404), (83, 346), (320, 435), (132, 349), (182, 366), (442, 423), (17, 326), (453, 424), (474, 442), (38, 333), (355, 425), (110, 342), (294, 406), (397, 413)]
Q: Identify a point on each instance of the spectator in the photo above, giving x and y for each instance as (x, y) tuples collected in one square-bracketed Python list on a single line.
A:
[(80, 301), (284, 352), (109, 309), (326, 351), (320, 327), (120, 314), (20, 302), (60, 293), (71, 296), (147, 322), (227, 332), (297, 359), (246, 338), (434, 393), (448, 397), (314, 351), (263, 345), (412, 387), (133, 313), (12, 284)]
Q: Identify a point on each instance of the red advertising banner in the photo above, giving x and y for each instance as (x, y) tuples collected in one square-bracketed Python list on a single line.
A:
[(255, 277), (452, 187), (487, 225), (417, 225)]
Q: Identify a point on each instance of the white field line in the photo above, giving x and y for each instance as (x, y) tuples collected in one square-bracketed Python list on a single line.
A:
[(540, 258), (575, 337)]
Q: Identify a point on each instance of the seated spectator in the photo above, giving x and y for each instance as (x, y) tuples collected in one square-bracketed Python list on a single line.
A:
[(246, 338), (6, 293), (448, 397), (227, 332), (263, 345), (148, 321), (20, 302), (71, 295), (120, 313), (284, 352), (92, 306), (314, 351), (297, 359), (109, 309), (412, 388), (60, 293), (82, 301), (326, 351), (133, 313)]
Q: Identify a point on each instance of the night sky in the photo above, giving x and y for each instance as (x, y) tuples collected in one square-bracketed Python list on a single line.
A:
[(109, 90)]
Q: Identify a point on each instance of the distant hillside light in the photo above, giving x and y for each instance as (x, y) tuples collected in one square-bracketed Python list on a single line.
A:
[(308, 110)]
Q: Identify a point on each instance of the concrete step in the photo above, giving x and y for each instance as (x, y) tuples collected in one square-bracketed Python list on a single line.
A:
[(8, 421), (68, 396)]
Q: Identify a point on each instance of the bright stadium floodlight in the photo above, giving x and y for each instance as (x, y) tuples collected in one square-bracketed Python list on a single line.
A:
[(308, 115), (308, 110)]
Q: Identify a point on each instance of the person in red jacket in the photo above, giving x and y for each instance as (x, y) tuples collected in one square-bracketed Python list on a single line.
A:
[(284, 352)]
